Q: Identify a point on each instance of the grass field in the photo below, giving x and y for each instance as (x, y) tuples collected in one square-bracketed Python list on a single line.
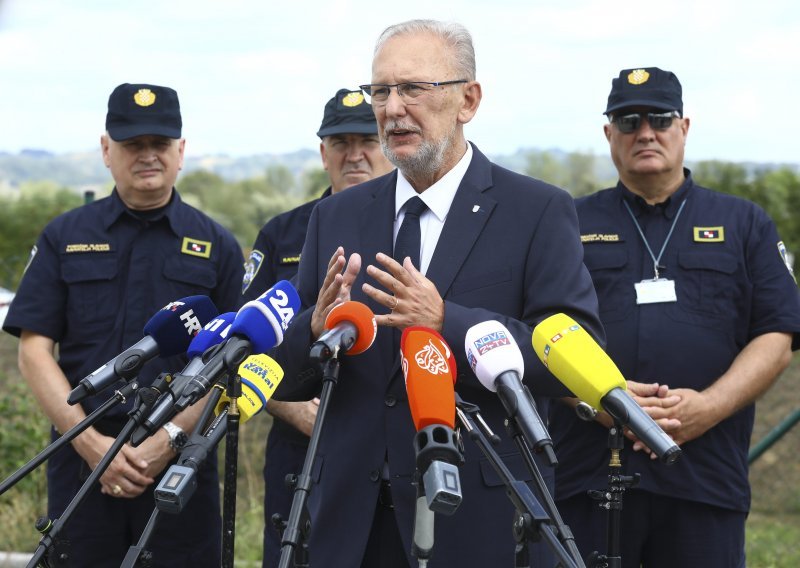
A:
[(773, 538)]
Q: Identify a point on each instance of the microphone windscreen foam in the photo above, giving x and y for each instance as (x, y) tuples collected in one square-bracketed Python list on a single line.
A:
[(260, 376), (174, 325), (491, 350), (361, 317), (576, 359), (429, 369), (213, 333), (264, 319)]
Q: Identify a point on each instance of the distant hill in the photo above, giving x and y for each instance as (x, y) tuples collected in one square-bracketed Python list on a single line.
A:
[(85, 170)]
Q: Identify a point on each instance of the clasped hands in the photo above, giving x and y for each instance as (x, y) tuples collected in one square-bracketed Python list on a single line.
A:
[(684, 414)]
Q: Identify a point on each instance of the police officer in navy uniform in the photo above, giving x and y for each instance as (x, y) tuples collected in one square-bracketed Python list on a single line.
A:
[(96, 275), (351, 154), (701, 312)]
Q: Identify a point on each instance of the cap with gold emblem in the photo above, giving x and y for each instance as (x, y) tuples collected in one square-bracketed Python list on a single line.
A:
[(347, 113), (138, 110), (645, 87)]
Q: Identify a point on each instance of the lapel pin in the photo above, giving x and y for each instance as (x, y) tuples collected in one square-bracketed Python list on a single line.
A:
[(476, 208)]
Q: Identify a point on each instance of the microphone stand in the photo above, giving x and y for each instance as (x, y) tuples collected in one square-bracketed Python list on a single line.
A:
[(611, 501), (138, 555), (564, 532), (294, 543), (147, 398), (234, 391), (531, 521), (119, 397)]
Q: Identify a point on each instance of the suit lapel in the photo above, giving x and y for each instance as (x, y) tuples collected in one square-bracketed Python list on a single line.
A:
[(375, 226), (466, 219)]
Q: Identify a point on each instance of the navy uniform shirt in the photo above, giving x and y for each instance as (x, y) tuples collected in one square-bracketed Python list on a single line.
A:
[(276, 252), (732, 284), (98, 273), (275, 257)]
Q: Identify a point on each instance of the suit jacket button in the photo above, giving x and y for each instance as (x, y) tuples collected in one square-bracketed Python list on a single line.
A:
[(390, 401), (374, 475)]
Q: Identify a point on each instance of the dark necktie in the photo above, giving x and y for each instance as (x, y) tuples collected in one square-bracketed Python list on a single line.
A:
[(408, 240)]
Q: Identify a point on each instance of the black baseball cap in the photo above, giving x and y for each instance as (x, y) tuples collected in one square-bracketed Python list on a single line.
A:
[(137, 110), (347, 113), (646, 87)]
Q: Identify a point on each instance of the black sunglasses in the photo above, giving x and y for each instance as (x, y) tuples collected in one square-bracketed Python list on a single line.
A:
[(628, 123)]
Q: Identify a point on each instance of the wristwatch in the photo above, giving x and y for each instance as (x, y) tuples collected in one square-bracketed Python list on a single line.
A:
[(177, 437)]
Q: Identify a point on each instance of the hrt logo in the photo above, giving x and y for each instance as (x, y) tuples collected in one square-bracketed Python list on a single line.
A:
[(190, 322), (173, 306), (491, 340)]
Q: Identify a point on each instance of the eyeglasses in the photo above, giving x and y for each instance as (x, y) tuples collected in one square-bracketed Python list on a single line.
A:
[(628, 123), (409, 92)]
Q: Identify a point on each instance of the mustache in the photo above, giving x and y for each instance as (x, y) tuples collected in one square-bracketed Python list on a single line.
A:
[(399, 125)]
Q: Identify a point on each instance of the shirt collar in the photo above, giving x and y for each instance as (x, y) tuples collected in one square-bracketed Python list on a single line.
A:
[(116, 208), (440, 195), (669, 208)]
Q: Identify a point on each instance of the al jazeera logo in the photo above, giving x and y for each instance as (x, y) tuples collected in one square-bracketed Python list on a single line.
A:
[(144, 97)]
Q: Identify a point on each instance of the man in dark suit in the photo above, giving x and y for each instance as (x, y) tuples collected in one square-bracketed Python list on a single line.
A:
[(493, 245)]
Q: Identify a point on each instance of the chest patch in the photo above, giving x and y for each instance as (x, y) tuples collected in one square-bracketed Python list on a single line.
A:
[(195, 247), (709, 234), (600, 238), (87, 247), (290, 259)]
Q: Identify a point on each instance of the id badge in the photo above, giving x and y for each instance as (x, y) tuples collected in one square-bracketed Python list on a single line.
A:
[(655, 291)]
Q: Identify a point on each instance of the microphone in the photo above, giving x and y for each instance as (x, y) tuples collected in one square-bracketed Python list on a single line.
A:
[(430, 372), (351, 328), (260, 376), (167, 333), (257, 327), (214, 333), (497, 361), (575, 358)]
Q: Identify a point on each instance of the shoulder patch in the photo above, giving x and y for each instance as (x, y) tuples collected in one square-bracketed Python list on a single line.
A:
[(600, 238), (251, 266), (709, 234), (786, 256), (195, 247), (34, 250), (87, 247)]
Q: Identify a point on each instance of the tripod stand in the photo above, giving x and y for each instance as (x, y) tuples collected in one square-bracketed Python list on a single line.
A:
[(611, 501)]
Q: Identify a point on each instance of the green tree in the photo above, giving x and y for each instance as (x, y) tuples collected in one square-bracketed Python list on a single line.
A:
[(314, 181), (244, 206), (576, 173), (22, 218), (776, 191)]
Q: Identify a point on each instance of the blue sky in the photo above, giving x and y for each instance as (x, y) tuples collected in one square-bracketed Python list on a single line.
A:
[(253, 76)]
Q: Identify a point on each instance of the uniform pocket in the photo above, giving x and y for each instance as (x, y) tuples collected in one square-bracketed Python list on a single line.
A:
[(706, 287), (93, 294), (188, 277), (607, 265)]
